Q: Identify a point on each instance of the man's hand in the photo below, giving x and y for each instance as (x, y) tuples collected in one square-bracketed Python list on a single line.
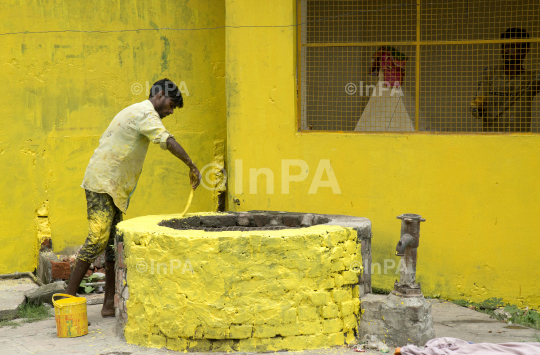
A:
[(194, 177), (478, 105)]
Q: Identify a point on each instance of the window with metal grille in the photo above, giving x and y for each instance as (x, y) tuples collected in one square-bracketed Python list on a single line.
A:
[(459, 66)]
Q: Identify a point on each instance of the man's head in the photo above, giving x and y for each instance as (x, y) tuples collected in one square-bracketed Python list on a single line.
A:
[(165, 97), (514, 53)]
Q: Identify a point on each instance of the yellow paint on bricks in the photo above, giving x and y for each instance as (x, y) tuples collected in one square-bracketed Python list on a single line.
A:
[(309, 328), (240, 331), (332, 325), (347, 307), (349, 322), (336, 339), (234, 291), (330, 311), (288, 329), (307, 313)]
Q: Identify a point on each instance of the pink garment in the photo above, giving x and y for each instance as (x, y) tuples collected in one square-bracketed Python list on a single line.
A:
[(454, 346), (393, 69)]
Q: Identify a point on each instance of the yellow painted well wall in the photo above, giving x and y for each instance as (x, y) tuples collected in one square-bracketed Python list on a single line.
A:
[(61, 90), (478, 193), (257, 290)]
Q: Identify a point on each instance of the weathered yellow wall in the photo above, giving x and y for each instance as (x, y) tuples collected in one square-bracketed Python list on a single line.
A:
[(240, 291), (479, 194), (61, 90)]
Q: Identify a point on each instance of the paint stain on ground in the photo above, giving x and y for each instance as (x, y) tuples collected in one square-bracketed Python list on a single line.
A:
[(515, 327)]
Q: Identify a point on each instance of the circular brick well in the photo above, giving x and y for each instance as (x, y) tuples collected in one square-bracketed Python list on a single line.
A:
[(252, 281)]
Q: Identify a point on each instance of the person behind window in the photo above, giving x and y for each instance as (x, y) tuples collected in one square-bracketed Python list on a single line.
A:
[(505, 92), (387, 109)]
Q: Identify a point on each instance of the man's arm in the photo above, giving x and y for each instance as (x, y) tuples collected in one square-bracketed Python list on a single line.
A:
[(536, 82), (479, 104), (176, 149)]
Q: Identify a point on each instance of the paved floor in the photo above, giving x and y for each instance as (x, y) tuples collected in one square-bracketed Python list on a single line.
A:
[(40, 338), (12, 295)]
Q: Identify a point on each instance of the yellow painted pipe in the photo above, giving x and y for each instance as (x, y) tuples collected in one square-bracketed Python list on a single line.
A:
[(188, 203)]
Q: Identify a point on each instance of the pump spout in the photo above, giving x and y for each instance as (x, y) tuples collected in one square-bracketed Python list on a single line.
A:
[(405, 241)]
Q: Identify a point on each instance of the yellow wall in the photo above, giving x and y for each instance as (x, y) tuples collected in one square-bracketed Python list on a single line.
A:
[(479, 194), (61, 90)]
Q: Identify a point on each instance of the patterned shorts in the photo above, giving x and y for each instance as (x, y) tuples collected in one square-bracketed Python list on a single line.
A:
[(103, 216)]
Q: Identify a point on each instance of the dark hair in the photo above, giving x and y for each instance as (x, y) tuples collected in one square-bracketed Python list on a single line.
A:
[(169, 89), (515, 32)]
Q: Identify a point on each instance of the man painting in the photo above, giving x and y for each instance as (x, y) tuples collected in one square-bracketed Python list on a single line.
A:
[(505, 92), (113, 172)]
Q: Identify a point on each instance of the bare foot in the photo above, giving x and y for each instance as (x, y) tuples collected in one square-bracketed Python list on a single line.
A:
[(107, 311)]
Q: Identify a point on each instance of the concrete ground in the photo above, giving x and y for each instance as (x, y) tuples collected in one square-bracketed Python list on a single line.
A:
[(40, 337)]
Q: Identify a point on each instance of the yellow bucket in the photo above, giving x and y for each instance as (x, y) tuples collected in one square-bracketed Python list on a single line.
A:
[(70, 314)]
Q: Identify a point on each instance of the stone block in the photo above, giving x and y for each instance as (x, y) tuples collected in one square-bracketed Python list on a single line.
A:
[(341, 295), (350, 246), (264, 331), (240, 331), (308, 328), (177, 344), (216, 333), (288, 329), (12, 295), (210, 221), (250, 345), (295, 342), (318, 298), (44, 293), (339, 280), (332, 325), (157, 341), (349, 323), (307, 220), (125, 293), (223, 346), (398, 320), (276, 221), (327, 283), (227, 220), (271, 344), (291, 220), (241, 317), (330, 311), (336, 339), (350, 277), (260, 220), (200, 345), (338, 265), (44, 269), (348, 307), (289, 316), (243, 220), (307, 313), (337, 253)]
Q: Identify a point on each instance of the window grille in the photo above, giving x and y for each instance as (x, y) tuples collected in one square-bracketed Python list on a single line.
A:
[(419, 66)]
